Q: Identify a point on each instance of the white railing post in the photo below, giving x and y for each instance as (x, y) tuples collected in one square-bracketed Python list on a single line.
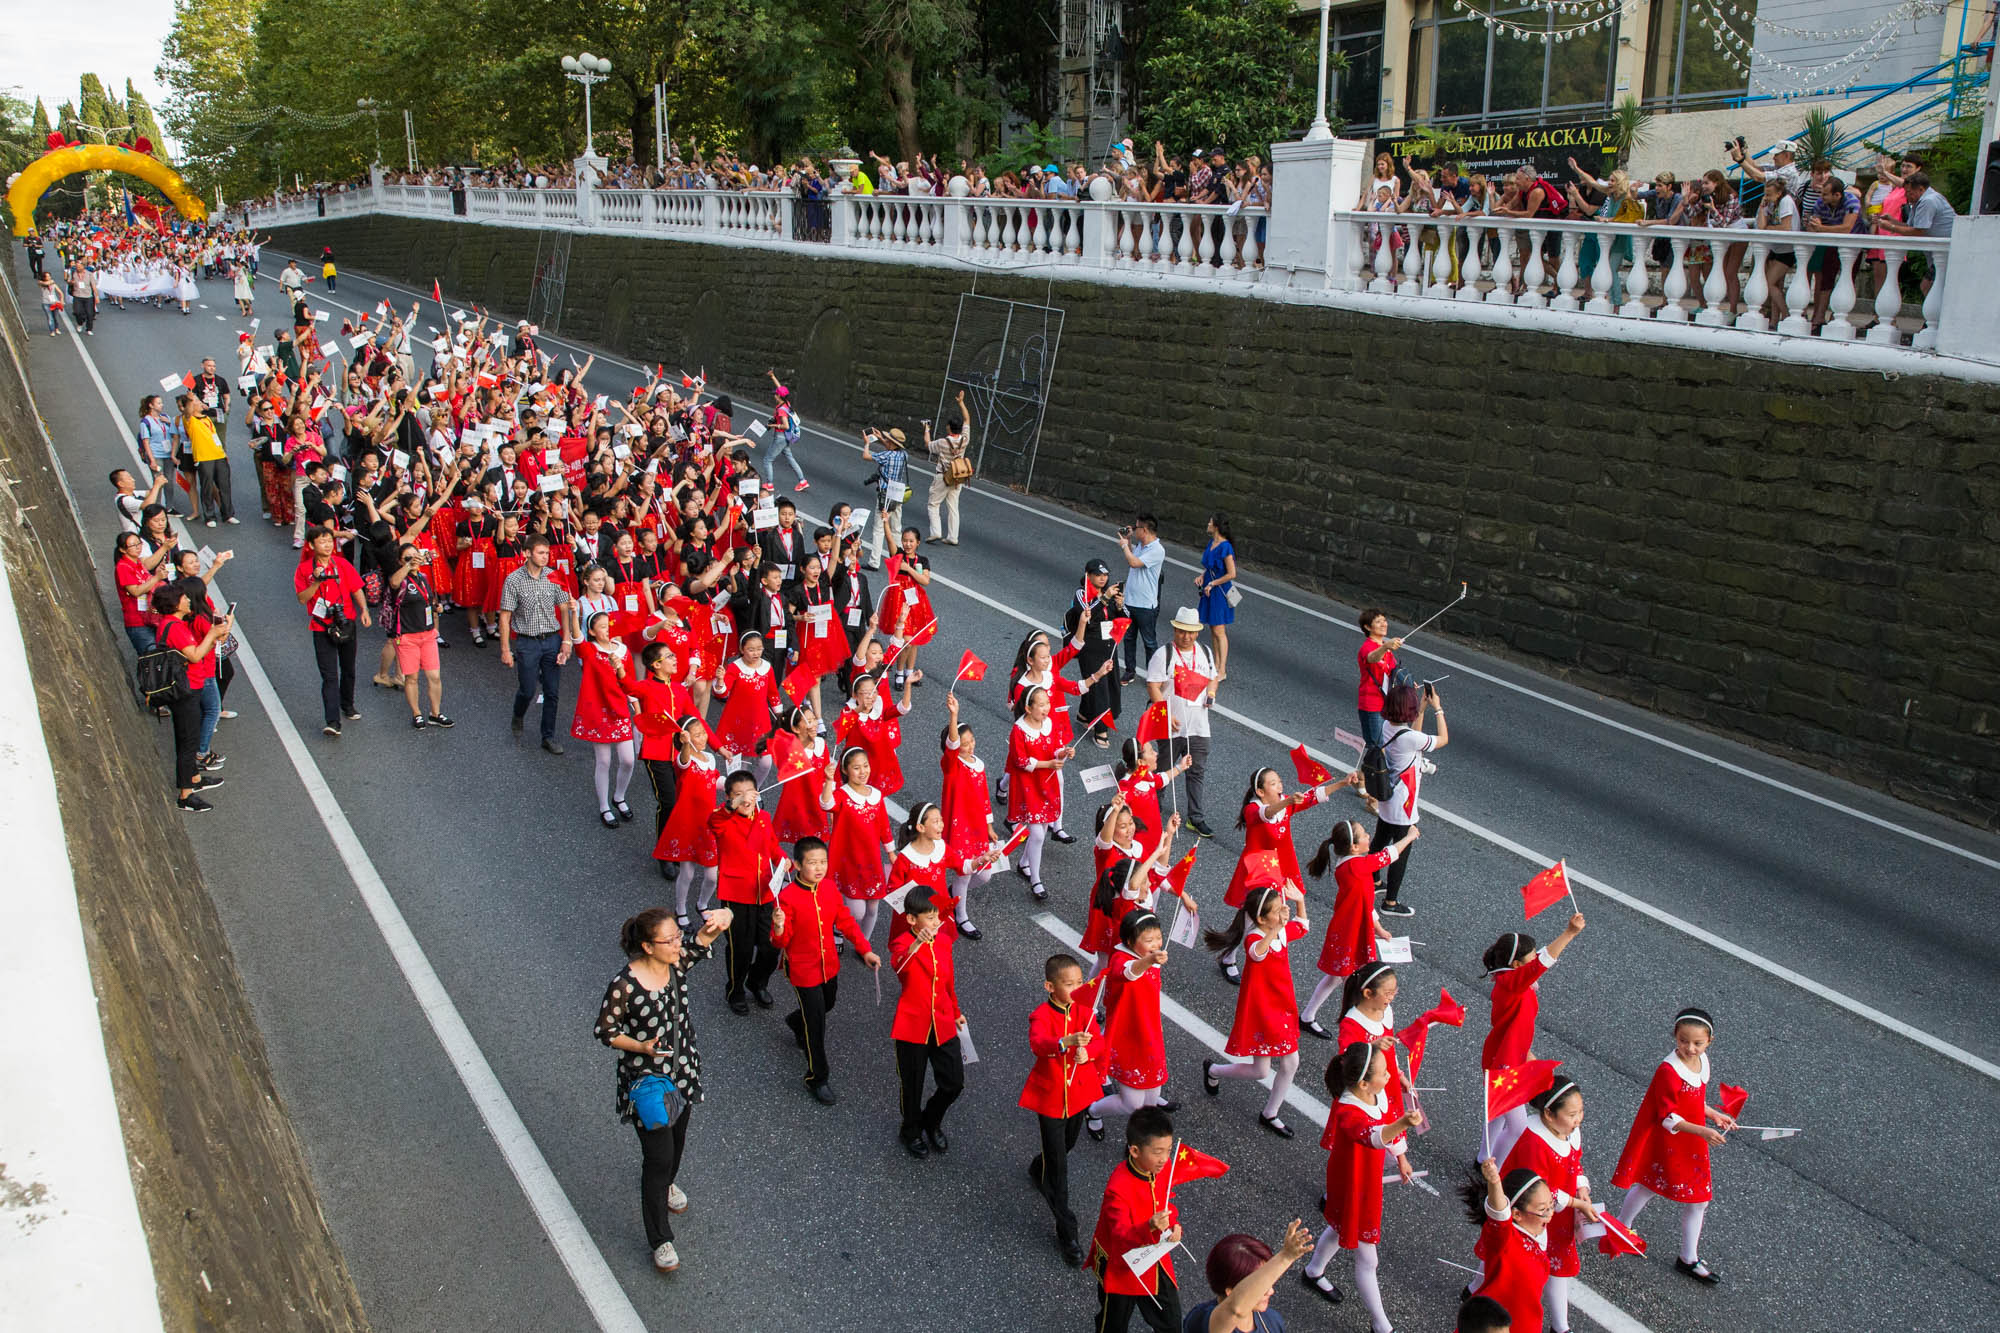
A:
[(1503, 268), (1443, 262), (1564, 297), (1715, 288), (1636, 282), (1926, 337), (711, 213), (1840, 305), (1671, 309), (840, 222), (1756, 292), (1470, 268), (1532, 275), (1385, 259), (1413, 264), (1798, 298), (1600, 276), (1889, 300)]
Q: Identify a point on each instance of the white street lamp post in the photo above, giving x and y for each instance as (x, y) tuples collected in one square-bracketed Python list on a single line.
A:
[(1321, 130), (588, 70)]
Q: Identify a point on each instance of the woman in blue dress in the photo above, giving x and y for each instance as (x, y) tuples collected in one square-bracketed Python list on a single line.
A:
[(1215, 582)]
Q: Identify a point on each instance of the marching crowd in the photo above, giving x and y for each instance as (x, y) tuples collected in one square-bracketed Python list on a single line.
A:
[(632, 560)]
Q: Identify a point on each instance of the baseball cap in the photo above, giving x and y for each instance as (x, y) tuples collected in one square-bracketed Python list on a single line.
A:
[(1096, 567), (1785, 146)]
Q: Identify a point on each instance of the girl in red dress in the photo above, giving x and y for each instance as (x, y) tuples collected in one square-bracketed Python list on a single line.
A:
[(1116, 841), (1352, 928), (632, 592), (922, 859), (969, 834), (1512, 1212), (860, 834), (750, 687), (1367, 1013), (1125, 884), (799, 749), (1363, 1130), (478, 562), (1137, 1059), (823, 643), (509, 553), (1265, 1036), (1141, 786), (604, 718), (875, 725), (1036, 752), (1037, 664), (1666, 1153), (906, 615), (1517, 967), (660, 703), (1265, 821), (1553, 1149), (686, 838)]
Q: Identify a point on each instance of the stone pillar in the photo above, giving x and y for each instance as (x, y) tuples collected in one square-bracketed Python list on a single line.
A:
[(1969, 322), (1630, 68), (1396, 18), (1309, 181), (588, 169)]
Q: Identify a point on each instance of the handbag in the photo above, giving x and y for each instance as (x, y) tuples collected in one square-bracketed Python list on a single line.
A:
[(957, 471), (1232, 596), (656, 1101)]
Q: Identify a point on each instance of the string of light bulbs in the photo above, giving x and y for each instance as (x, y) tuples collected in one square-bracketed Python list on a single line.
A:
[(1742, 53)]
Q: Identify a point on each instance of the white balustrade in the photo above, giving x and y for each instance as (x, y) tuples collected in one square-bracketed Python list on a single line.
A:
[(1532, 275), (1470, 267), (1566, 274), (1601, 275), (1798, 297), (1840, 302), (1636, 281), (1889, 299), (1675, 289), (1757, 291), (1715, 288)]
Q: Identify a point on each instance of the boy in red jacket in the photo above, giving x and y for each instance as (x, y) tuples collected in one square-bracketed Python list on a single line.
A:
[(750, 856), (807, 913), (1138, 1209), (927, 1023), (1066, 1078)]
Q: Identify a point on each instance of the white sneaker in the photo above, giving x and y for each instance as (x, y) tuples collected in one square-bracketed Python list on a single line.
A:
[(677, 1199), (665, 1259)]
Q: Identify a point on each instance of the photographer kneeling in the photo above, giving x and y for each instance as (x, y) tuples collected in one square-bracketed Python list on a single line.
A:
[(329, 588)]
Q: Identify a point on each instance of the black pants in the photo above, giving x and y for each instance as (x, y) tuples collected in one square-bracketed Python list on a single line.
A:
[(1143, 639), (535, 667), (1160, 1312), (808, 1022), (751, 958), (946, 1066), (212, 480), (225, 671), (336, 674), (83, 310), (35, 264), (660, 1161), (666, 780), (187, 740), (1050, 1170), (1390, 879)]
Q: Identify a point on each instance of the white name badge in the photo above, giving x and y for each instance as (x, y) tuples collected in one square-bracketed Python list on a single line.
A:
[(747, 486), (552, 481), (720, 600), (853, 617), (778, 638), (631, 601), (909, 597), (320, 608), (479, 559), (1103, 629)]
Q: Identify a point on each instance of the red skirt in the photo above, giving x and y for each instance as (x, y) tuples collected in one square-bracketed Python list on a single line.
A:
[(476, 566), (686, 836), (503, 566)]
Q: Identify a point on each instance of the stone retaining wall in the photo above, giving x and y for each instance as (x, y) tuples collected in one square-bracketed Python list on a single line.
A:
[(1801, 557)]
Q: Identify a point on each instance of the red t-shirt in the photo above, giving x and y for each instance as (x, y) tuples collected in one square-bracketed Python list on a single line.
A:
[(1373, 674), (177, 633), (136, 607), (338, 591)]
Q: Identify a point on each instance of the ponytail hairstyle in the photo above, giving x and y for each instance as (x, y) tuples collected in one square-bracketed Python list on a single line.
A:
[(638, 930), (1555, 1095), (1133, 924), (846, 756), (1339, 843), (1128, 757), (1506, 951), (1516, 1185), (1021, 655), (1349, 1067), (1364, 978), (1254, 904), (685, 736), (1111, 885), (1250, 797), (951, 737), (915, 822), (1021, 704)]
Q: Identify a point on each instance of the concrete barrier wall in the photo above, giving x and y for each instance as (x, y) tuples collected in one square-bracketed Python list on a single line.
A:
[(231, 1217), (1800, 557)]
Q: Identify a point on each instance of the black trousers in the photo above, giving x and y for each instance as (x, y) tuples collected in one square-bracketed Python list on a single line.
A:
[(83, 310), (187, 740), (751, 958), (947, 1066), (536, 668), (660, 1161), (336, 674), (666, 781), (212, 483), (1050, 1170), (1390, 879), (1160, 1312), (808, 1023)]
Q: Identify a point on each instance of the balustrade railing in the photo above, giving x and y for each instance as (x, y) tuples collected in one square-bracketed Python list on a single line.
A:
[(1835, 288)]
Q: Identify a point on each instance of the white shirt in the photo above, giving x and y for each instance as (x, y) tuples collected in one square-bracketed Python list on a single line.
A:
[(1400, 754), (1189, 719)]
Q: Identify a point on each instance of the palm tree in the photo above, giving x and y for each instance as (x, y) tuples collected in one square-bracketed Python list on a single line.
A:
[(1631, 128)]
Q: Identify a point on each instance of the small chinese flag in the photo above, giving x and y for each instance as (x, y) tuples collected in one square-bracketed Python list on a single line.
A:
[(1177, 874), (1512, 1087), (970, 667), (1618, 1238), (798, 684), (686, 382), (437, 292), (1310, 770), (1733, 1100), (1545, 890), (1153, 723), (1447, 1011), (1261, 868), (1414, 1038), (1189, 685), (1194, 1164), (187, 380), (891, 567), (1020, 836), (1103, 719), (1118, 628)]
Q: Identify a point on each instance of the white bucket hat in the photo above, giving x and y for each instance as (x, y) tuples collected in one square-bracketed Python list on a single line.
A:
[(1186, 619)]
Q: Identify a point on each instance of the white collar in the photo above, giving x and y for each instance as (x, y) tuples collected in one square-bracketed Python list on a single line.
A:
[(1369, 1025), (868, 796), (1029, 729), (975, 763), (1273, 943), (743, 664), (706, 759), (1541, 1241), (909, 853), (1680, 1070), (1561, 1147), (869, 716), (1377, 1108)]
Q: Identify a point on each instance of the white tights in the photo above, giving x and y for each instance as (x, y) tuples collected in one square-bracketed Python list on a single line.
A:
[(1126, 1100), (1325, 990), (864, 911), (1031, 851), (1367, 1258), (1502, 1130), (1287, 1069), (1555, 1303), (1692, 1215), (690, 871), (615, 762), (962, 887)]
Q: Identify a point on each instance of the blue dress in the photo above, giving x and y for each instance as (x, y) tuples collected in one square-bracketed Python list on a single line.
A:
[(1215, 607)]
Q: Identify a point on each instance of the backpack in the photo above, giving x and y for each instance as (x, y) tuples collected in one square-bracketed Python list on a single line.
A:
[(1376, 779), (161, 675), (792, 431)]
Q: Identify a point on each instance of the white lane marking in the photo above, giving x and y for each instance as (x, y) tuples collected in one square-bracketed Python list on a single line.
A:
[(1584, 1298), (608, 1303), (1777, 784), (1866, 1011)]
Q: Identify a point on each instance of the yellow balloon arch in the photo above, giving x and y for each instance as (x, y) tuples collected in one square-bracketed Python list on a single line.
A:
[(46, 170)]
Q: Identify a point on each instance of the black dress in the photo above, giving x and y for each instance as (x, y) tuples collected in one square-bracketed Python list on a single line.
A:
[(1095, 651)]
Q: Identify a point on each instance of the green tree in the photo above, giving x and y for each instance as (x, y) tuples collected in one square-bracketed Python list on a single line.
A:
[(43, 128), (19, 144), (100, 111), (144, 126), (204, 66), (1229, 72)]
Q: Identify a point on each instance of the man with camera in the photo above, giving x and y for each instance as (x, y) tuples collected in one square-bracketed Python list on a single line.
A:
[(892, 469), (1144, 554), (952, 455), (330, 589), (1784, 169)]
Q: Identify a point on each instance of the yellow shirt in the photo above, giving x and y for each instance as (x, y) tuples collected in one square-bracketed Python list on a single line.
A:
[(326, 269), (202, 441)]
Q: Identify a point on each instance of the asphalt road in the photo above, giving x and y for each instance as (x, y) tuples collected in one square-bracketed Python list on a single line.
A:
[(1843, 940)]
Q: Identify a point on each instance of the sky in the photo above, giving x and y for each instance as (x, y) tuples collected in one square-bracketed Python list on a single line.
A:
[(117, 39)]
